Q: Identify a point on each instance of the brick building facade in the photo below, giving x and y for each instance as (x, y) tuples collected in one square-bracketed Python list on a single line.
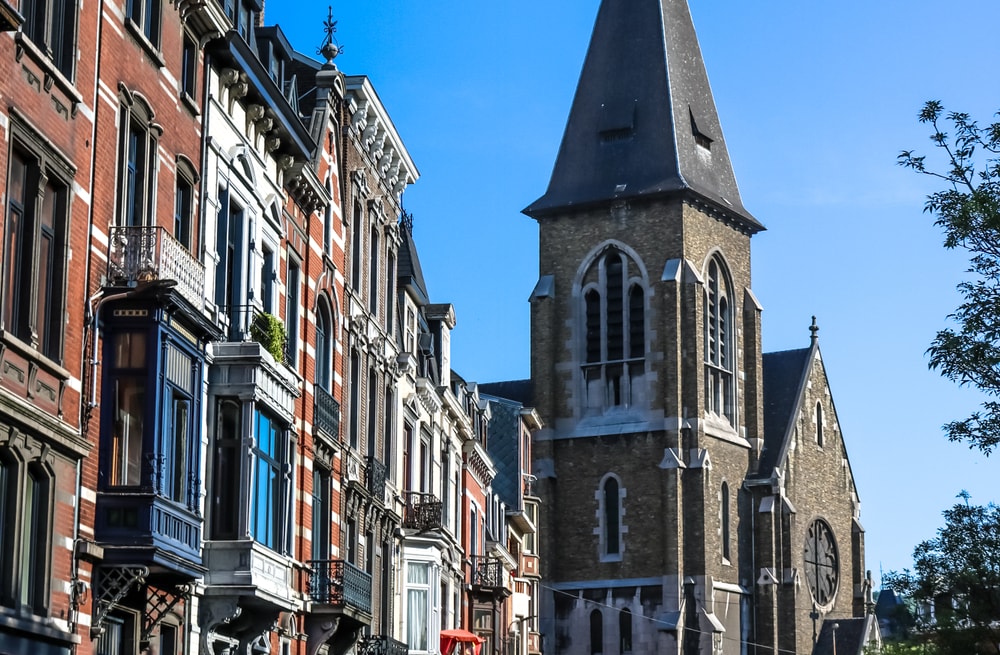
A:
[(228, 421)]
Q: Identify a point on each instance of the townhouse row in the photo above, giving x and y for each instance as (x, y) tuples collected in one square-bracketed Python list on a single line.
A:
[(228, 417)]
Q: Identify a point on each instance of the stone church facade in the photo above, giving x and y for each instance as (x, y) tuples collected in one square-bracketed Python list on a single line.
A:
[(696, 493)]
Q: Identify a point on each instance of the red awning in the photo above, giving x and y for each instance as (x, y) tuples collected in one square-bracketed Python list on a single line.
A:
[(451, 639)]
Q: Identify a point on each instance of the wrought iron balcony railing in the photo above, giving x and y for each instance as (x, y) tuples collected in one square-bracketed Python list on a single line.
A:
[(423, 511), (337, 582), (148, 253), (381, 645), (375, 478), (326, 413), (487, 572)]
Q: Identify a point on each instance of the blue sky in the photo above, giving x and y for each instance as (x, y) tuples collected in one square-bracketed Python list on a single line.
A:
[(816, 100)]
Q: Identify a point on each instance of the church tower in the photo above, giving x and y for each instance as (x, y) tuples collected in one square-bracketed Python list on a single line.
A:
[(696, 495), (646, 353)]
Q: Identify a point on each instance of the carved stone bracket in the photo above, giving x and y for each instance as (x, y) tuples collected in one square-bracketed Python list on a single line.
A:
[(214, 613), (113, 584)]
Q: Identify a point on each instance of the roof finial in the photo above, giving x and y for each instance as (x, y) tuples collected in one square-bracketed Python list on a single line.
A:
[(814, 329), (331, 47), (406, 221)]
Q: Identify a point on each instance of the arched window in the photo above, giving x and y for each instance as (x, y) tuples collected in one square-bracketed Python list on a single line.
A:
[(596, 633), (726, 534), (819, 424), (625, 631), (610, 528), (614, 316), (324, 346), (137, 145), (719, 354)]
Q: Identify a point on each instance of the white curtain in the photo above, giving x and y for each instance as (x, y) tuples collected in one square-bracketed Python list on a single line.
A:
[(418, 589)]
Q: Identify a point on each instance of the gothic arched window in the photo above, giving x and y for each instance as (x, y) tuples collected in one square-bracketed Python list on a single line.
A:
[(614, 298), (625, 631), (596, 633), (610, 510), (819, 424), (726, 530), (719, 352)]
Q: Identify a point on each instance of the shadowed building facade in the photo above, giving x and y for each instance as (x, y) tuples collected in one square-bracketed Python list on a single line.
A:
[(696, 494)]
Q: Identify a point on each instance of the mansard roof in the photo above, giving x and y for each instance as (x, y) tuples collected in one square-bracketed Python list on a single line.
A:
[(643, 121), (409, 274)]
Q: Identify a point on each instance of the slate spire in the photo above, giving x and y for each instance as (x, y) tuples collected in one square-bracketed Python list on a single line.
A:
[(643, 121)]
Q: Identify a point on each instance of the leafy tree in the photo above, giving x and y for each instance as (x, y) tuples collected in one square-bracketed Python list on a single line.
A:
[(968, 210), (957, 574)]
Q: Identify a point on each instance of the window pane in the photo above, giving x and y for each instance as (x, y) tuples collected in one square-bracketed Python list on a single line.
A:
[(130, 350), (226, 477), (126, 445), (32, 538), (179, 448), (416, 604), (14, 263)]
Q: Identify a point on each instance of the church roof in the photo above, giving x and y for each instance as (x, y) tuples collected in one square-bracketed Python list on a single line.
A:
[(852, 635), (521, 391), (643, 121), (784, 376)]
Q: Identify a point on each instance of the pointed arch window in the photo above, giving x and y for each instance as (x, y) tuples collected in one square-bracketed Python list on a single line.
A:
[(719, 354), (614, 299), (610, 510), (726, 526), (596, 633), (625, 631), (819, 424)]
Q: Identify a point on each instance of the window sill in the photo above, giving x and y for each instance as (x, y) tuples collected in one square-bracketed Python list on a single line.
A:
[(190, 103), (24, 350), (145, 43), (52, 74), (719, 427), (35, 628)]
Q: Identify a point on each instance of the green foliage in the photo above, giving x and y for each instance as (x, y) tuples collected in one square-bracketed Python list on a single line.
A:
[(958, 574), (269, 331), (968, 210)]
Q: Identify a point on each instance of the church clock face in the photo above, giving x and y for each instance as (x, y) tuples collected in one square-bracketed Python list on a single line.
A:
[(822, 562)]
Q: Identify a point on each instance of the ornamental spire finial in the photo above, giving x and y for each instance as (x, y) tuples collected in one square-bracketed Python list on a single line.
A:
[(814, 329), (331, 47)]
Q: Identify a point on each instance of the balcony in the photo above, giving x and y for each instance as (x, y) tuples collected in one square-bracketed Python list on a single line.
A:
[(487, 573), (145, 254), (375, 479), (326, 414), (381, 645), (340, 584), (423, 512), (143, 528)]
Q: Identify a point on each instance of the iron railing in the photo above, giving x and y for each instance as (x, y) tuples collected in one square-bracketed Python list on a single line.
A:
[(337, 582), (486, 572), (326, 413), (423, 511), (381, 645), (375, 478), (148, 253)]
